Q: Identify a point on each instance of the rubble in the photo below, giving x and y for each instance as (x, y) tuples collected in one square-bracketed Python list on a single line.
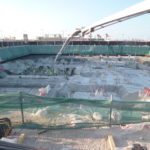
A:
[(78, 77)]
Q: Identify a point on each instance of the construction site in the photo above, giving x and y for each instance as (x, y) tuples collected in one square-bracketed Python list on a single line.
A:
[(76, 94)]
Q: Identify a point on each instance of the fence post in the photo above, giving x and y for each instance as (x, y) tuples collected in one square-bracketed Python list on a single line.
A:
[(110, 111), (21, 106)]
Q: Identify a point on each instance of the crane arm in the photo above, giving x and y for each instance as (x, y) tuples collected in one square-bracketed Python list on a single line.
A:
[(131, 12)]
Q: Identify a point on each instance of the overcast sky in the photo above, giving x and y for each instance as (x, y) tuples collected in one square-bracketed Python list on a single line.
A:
[(39, 17)]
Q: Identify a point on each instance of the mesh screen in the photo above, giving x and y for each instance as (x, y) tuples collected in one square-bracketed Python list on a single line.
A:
[(31, 111)]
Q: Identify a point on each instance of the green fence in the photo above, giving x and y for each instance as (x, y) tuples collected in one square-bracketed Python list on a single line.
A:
[(30, 111), (7, 53)]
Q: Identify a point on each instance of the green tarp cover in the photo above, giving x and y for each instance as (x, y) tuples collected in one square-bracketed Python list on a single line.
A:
[(7, 53), (40, 112)]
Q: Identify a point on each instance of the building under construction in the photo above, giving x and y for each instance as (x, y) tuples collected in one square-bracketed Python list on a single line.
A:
[(97, 90)]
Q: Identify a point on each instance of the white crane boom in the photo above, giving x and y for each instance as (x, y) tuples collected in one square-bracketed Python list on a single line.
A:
[(131, 12)]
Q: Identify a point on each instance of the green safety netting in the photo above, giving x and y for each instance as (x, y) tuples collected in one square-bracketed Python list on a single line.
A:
[(7, 53), (36, 112)]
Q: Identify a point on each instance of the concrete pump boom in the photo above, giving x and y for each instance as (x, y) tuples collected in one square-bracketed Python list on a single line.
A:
[(131, 12)]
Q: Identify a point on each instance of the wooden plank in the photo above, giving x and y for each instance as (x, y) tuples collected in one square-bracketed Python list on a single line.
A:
[(21, 138), (111, 142), (128, 148)]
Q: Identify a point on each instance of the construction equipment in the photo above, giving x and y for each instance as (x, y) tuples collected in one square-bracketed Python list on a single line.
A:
[(5, 127), (128, 13)]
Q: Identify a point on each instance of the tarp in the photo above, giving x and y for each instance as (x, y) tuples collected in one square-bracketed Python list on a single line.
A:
[(8, 53), (32, 111)]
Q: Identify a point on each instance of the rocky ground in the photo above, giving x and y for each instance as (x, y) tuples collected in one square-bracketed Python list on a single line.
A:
[(97, 77), (87, 139)]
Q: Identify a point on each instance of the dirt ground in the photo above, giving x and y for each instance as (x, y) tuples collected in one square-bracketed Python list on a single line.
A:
[(83, 77), (96, 77), (87, 139)]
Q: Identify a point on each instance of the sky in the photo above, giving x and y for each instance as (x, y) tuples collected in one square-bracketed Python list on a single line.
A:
[(40, 17)]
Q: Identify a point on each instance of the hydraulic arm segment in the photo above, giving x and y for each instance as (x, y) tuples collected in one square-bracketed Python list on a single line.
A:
[(131, 12)]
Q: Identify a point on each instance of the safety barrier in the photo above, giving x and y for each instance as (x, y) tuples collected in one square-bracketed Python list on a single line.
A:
[(38, 112), (8, 53)]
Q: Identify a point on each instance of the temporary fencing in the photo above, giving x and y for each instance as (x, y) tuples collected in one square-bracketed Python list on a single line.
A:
[(39, 112), (7, 53)]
